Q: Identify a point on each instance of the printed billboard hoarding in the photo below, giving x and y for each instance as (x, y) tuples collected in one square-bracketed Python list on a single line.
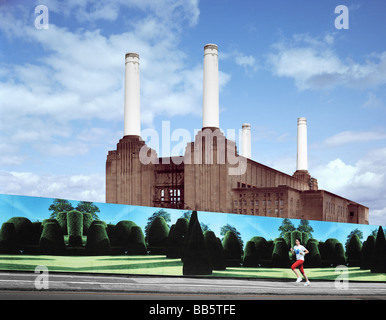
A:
[(78, 236)]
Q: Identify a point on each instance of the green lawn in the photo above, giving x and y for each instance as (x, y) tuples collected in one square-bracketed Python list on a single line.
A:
[(160, 265)]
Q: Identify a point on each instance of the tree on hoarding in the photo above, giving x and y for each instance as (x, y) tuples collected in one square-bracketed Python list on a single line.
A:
[(356, 232), (88, 207), (286, 226), (60, 205), (228, 227), (161, 213), (304, 226)]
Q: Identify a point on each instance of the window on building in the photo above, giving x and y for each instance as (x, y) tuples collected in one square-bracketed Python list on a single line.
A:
[(235, 203)]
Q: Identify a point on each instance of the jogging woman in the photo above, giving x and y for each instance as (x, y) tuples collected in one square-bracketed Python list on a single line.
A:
[(300, 252)]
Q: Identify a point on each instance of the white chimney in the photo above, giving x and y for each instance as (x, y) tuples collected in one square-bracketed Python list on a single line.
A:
[(302, 163), (210, 107), (132, 119), (246, 140)]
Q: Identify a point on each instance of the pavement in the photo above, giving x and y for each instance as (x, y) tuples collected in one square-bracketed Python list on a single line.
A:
[(66, 285)]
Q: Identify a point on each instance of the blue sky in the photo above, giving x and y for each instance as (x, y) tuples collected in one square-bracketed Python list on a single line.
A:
[(61, 88)]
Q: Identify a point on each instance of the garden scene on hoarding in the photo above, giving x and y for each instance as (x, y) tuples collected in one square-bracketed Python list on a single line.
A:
[(79, 236)]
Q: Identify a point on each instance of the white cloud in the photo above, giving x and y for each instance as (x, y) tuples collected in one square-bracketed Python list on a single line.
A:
[(76, 187), (373, 102), (79, 74), (351, 136), (313, 64), (247, 62), (363, 182)]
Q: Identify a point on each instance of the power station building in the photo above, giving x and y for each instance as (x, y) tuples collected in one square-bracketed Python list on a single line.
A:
[(212, 175)]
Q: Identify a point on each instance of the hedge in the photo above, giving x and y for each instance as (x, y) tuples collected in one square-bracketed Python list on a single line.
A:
[(37, 228), (8, 238), (215, 250), (158, 236), (232, 250), (339, 255), (313, 258), (51, 240), (62, 219), (121, 233), (262, 248), (329, 249), (87, 221), (137, 244), (250, 255), (378, 264), (280, 255), (75, 228), (24, 230), (98, 242), (353, 252), (196, 257), (192, 220), (367, 253), (176, 238)]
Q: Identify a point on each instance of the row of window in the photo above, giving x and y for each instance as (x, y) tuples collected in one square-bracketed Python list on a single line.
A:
[(264, 212), (256, 195), (240, 203)]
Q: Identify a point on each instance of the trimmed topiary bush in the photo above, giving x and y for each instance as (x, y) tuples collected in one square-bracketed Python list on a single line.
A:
[(137, 244), (192, 220), (158, 236), (280, 255), (50, 220), (62, 219), (313, 259), (305, 239), (87, 220), (97, 240), (8, 239), (250, 255), (196, 258), (329, 250), (287, 239), (75, 228), (24, 230), (367, 253), (354, 249), (176, 238), (262, 248), (122, 233), (339, 258), (51, 240), (379, 254), (232, 251), (215, 250)]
